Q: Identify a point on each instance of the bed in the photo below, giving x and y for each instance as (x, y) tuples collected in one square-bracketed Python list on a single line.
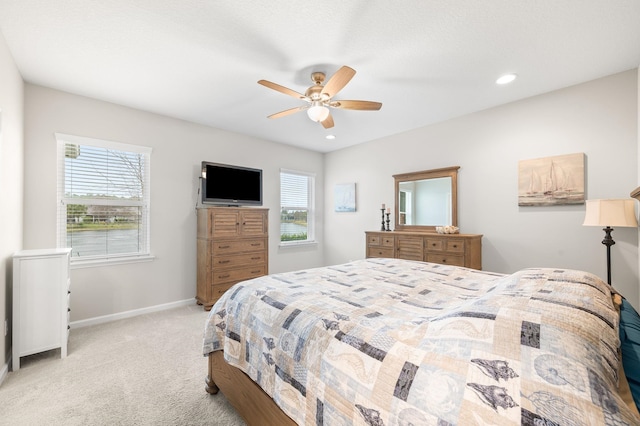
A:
[(397, 342)]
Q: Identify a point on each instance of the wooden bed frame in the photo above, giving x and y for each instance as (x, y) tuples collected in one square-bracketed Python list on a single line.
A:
[(252, 403)]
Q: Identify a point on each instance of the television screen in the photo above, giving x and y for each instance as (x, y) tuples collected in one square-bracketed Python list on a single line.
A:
[(231, 185)]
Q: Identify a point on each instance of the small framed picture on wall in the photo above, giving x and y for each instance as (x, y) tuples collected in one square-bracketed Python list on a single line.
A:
[(344, 196)]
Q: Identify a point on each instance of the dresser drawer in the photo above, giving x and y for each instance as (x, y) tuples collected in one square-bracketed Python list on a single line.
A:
[(446, 259), (454, 246), (434, 244), (374, 240), (226, 275), (237, 246), (233, 260), (387, 241), (380, 252), (218, 290)]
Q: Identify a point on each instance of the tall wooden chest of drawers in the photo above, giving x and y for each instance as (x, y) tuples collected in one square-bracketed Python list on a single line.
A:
[(233, 245), (448, 249)]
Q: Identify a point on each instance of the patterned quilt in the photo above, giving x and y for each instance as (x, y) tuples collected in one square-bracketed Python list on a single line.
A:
[(396, 342)]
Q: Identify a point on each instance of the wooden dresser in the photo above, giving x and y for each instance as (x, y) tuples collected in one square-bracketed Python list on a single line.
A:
[(450, 249), (233, 245)]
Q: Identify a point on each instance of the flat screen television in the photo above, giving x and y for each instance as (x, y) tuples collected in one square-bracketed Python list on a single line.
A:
[(224, 184)]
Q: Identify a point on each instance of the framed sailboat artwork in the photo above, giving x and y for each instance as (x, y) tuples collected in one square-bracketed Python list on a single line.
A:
[(551, 181)]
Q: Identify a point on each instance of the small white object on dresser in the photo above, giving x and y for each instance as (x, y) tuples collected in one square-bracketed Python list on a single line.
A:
[(41, 291)]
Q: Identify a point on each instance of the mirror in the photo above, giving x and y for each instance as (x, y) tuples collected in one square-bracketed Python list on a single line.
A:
[(426, 199)]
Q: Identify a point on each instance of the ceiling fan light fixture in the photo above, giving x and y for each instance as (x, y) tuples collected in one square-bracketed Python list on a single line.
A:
[(320, 97), (317, 112)]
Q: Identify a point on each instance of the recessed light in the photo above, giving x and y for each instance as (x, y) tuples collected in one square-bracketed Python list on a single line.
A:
[(506, 79), (330, 136)]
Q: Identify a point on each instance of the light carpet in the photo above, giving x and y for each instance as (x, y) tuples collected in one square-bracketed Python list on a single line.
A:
[(145, 370)]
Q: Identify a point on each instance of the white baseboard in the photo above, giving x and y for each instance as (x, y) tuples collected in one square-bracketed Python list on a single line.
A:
[(128, 314)]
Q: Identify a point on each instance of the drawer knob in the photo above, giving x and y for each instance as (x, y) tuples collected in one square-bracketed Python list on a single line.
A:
[(223, 247), (223, 276)]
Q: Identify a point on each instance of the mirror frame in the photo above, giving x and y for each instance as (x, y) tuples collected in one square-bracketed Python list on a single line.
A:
[(451, 172)]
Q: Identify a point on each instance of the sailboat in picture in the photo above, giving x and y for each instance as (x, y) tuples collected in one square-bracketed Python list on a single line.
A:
[(551, 181)]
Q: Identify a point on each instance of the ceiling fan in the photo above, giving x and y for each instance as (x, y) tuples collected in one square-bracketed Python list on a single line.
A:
[(319, 97)]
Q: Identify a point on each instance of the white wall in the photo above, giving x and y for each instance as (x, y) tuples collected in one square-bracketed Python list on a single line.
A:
[(598, 118), (178, 149), (11, 151)]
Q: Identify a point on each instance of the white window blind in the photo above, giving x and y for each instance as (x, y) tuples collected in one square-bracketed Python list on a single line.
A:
[(103, 199), (296, 206)]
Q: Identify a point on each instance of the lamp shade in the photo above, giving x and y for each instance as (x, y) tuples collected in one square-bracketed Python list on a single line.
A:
[(620, 212)]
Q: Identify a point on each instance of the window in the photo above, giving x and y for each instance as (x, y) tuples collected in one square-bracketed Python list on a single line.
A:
[(296, 207), (103, 200)]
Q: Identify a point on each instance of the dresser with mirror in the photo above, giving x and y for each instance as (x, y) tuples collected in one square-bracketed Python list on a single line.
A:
[(424, 201)]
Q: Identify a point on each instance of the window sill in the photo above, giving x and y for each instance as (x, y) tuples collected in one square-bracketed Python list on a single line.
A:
[(92, 263), (290, 244)]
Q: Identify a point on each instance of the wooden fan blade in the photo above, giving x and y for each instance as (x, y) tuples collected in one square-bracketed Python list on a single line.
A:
[(361, 105), (288, 111), (338, 81), (327, 123), (282, 89)]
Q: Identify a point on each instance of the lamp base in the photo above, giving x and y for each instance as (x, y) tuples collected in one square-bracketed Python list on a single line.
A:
[(608, 241)]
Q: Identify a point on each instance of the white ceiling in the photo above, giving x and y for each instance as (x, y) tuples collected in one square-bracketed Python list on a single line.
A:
[(425, 60)]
